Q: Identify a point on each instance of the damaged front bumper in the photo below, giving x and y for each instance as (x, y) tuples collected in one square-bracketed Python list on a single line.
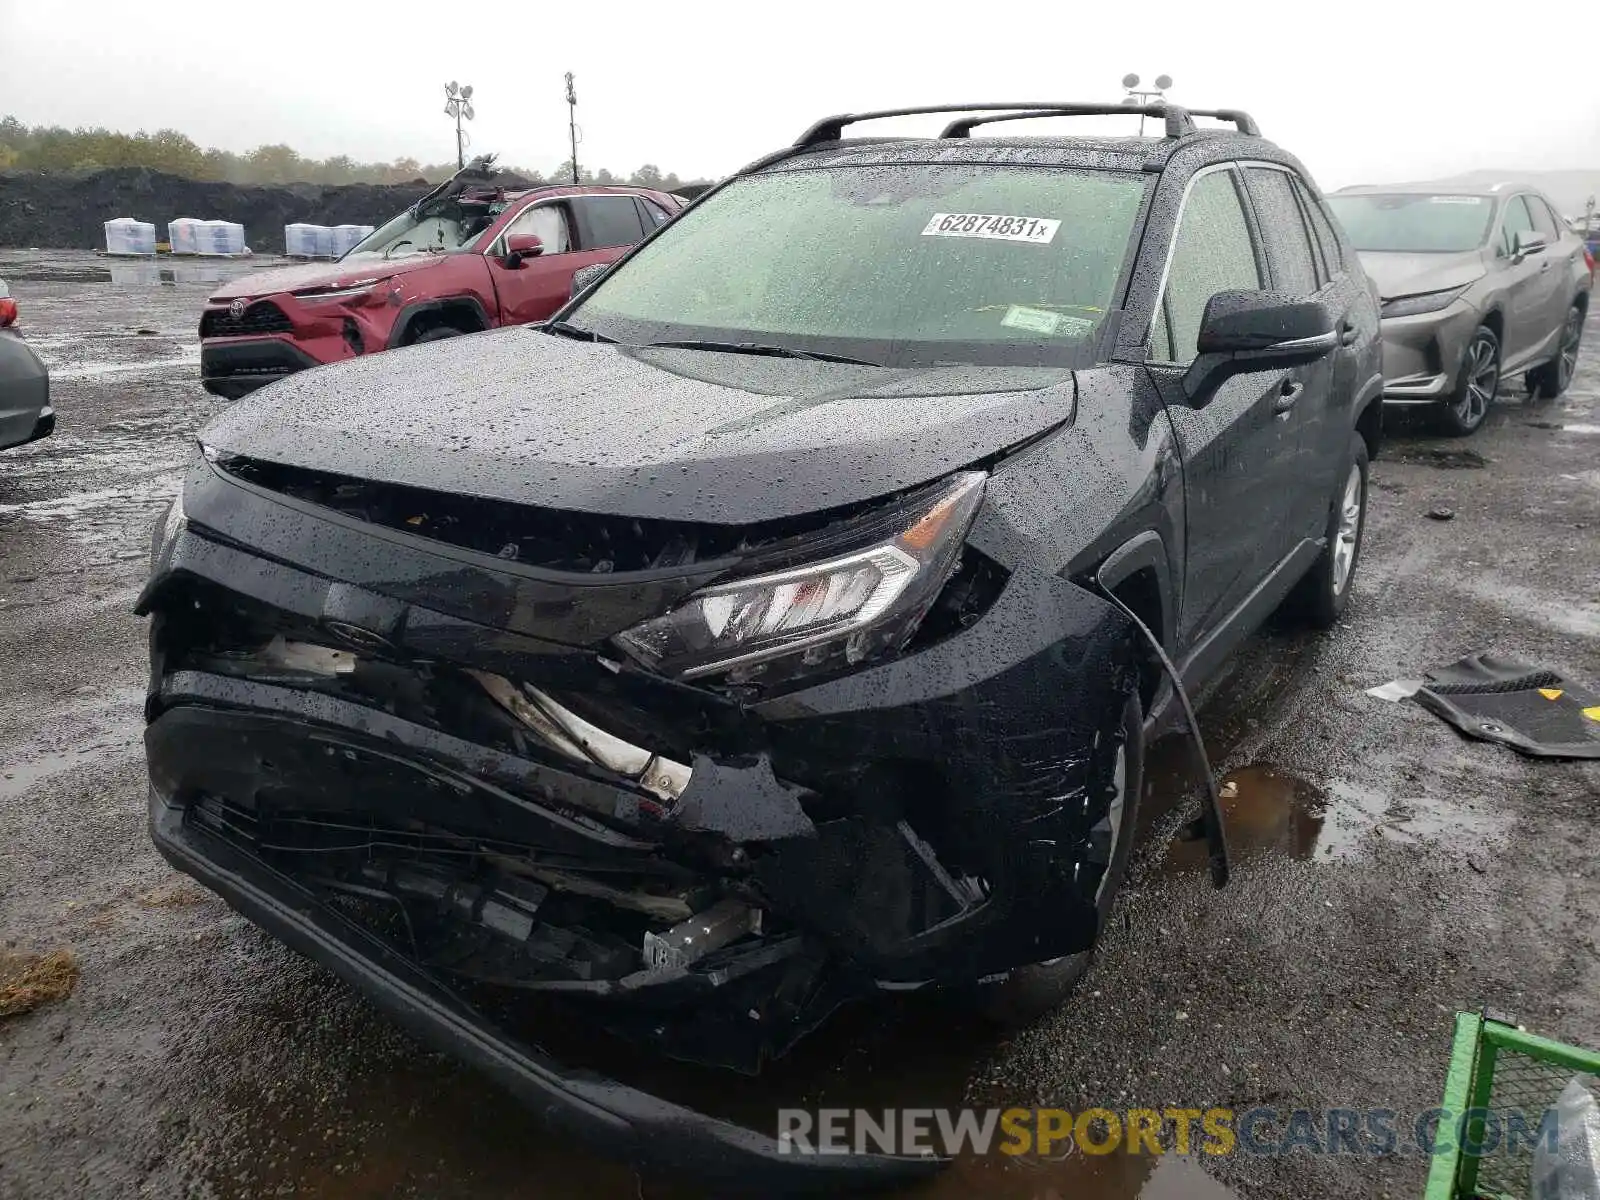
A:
[(618, 1120), (424, 768)]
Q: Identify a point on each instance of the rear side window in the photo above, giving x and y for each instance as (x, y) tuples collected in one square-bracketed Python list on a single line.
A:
[(1543, 220), (1322, 226), (1517, 220), (612, 220), (1283, 230), (653, 213), (1212, 253)]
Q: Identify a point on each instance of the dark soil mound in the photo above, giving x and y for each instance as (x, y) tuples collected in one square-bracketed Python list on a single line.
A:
[(69, 212)]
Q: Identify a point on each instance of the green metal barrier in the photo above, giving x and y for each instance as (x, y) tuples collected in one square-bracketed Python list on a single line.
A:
[(1499, 1078)]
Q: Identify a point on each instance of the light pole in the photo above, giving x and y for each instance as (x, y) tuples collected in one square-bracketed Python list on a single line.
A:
[(572, 125), (1130, 83), (458, 104)]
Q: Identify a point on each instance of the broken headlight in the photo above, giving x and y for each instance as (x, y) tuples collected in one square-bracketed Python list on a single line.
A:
[(838, 612)]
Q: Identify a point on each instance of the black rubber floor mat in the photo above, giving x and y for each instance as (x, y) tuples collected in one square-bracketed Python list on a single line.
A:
[(1534, 711)]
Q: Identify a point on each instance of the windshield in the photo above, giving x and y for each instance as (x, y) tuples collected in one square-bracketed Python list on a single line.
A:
[(437, 226), (899, 265), (1410, 223)]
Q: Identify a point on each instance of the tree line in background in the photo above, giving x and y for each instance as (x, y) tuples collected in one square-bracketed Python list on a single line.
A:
[(55, 148)]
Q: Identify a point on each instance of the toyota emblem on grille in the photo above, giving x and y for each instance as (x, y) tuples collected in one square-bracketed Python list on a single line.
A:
[(236, 309)]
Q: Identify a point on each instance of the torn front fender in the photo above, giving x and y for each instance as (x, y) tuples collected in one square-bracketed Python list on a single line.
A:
[(979, 769)]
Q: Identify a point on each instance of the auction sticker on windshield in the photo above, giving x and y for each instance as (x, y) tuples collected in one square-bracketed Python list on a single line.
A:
[(990, 225)]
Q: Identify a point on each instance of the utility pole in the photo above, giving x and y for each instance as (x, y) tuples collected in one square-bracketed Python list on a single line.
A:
[(458, 104), (1130, 83), (572, 125)]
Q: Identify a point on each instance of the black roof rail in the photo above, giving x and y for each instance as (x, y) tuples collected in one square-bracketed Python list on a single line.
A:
[(1244, 121), (831, 129), (1177, 119), (1237, 117)]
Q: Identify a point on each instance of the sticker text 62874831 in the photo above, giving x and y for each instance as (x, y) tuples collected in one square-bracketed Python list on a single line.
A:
[(989, 225)]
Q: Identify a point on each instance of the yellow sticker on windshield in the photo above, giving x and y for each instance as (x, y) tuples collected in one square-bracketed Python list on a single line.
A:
[(989, 225)]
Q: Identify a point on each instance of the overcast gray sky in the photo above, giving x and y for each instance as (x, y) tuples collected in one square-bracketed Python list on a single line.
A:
[(1361, 90)]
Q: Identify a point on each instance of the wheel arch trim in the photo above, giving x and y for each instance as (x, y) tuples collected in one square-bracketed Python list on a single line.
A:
[(1144, 551), (408, 315)]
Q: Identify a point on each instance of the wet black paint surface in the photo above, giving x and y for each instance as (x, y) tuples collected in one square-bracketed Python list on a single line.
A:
[(196, 1056)]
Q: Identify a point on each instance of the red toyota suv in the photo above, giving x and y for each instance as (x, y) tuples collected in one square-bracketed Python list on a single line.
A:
[(470, 255)]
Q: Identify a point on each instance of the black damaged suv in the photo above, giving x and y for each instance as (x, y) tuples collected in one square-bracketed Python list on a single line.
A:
[(765, 630)]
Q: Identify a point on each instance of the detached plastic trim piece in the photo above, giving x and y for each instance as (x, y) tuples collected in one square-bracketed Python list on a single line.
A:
[(1532, 710), (616, 1120)]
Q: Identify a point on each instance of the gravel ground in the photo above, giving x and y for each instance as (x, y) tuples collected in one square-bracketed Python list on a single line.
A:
[(1390, 871)]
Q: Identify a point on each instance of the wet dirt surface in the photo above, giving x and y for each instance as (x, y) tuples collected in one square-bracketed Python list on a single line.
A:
[(1387, 871)]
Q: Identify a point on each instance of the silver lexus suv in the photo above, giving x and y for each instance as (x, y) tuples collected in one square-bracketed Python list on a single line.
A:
[(1477, 285)]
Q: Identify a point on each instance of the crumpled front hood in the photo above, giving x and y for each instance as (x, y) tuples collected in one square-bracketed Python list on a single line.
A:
[(529, 418), (319, 275), (1399, 274)]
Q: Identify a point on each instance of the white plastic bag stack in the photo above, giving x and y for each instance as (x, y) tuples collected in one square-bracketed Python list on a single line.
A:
[(219, 237), (1572, 1170), (181, 235), (301, 240), (124, 235), (345, 238)]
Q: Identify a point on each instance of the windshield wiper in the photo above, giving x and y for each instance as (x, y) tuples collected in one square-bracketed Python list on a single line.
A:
[(760, 348), (576, 332)]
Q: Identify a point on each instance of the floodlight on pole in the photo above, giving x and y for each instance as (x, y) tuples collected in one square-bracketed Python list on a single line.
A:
[(1156, 95), (458, 104), (572, 124)]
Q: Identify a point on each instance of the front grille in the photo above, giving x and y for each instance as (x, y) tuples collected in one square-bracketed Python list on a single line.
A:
[(261, 317), (555, 539)]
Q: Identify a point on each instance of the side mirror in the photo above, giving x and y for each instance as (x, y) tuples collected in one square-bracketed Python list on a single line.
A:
[(1256, 331), (520, 246), (1529, 242), (584, 276)]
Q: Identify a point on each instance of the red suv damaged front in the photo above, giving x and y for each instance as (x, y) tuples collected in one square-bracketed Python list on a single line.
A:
[(468, 256)]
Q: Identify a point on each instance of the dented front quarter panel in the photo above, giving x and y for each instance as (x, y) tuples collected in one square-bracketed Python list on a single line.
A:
[(1000, 744)]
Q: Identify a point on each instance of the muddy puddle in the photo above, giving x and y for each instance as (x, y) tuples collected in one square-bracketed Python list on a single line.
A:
[(22, 268), (155, 274), (1270, 812)]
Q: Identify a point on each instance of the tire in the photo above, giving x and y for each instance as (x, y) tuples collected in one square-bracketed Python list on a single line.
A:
[(1028, 993), (1321, 597), (437, 334), (1464, 412), (1548, 381)]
